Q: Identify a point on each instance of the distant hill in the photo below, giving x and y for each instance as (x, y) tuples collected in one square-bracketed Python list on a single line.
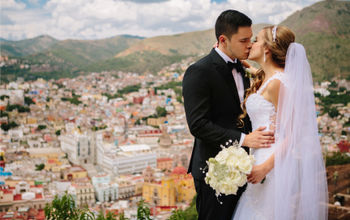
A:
[(26, 47), (152, 54), (323, 28), (50, 58), (80, 53)]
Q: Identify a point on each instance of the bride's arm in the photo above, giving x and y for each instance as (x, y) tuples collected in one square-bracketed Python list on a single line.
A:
[(260, 171)]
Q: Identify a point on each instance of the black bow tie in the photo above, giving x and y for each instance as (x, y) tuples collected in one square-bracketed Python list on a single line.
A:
[(231, 66)]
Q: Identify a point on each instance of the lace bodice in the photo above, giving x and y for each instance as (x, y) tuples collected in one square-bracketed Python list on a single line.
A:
[(261, 112)]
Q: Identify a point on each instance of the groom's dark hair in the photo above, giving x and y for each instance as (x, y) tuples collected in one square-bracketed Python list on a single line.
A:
[(229, 21)]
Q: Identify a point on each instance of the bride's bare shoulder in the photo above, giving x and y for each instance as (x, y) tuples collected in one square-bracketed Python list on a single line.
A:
[(272, 91)]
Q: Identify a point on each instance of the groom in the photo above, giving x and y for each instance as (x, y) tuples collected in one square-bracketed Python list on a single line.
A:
[(213, 90)]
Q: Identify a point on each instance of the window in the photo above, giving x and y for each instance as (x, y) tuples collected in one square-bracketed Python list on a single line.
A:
[(78, 148)]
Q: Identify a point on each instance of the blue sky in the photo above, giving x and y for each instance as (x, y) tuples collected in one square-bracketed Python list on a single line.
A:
[(96, 19)]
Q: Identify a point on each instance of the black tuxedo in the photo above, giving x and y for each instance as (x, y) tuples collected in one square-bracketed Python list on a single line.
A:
[(212, 108)]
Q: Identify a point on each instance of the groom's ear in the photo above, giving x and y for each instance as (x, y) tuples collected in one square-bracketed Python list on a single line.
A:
[(222, 40)]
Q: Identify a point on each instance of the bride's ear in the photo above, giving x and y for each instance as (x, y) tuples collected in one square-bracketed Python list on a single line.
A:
[(266, 50)]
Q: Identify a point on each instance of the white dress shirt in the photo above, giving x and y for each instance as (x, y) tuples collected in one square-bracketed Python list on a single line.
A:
[(238, 80)]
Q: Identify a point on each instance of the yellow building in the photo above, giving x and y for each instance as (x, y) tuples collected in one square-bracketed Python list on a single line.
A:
[(53, 165), (160, 193), (32, 120), (74, 173), (185, 190), (49, 153), (156, 121)]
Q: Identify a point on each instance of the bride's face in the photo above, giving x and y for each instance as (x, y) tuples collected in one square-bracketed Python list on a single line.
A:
[(257, 50)]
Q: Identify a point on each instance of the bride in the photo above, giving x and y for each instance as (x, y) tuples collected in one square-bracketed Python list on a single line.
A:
[(288, 180)]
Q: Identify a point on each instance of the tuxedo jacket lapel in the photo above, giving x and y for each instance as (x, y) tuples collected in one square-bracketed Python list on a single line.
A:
[(222, 69)]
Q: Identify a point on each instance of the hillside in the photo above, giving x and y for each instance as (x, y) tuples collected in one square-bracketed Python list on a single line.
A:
[(55, 59), (152, 54), (80, 53), (26, 47), (324, 30)]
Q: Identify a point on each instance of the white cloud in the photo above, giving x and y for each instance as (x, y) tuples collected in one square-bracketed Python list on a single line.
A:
[(11, 4), (91, 19)]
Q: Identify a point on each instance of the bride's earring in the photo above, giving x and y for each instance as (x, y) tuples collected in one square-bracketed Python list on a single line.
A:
[(264, 57)]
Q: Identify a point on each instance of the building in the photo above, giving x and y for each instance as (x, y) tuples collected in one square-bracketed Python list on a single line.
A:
[(74, 173), (165, 163), (23, 195), (185, 190), (160, 193), (127, 159), (105, 190), (80, 148), (83, 193)]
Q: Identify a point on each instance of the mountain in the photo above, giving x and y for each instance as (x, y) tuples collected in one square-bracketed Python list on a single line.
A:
[(50, 58), (80, 53), (152, 54), (26, 47), (324, 30)]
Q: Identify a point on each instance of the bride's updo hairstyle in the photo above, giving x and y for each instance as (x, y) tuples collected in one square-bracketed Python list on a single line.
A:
[(278, 47)]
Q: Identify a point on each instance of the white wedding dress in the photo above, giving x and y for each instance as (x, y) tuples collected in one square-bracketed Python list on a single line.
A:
[(256, 203)]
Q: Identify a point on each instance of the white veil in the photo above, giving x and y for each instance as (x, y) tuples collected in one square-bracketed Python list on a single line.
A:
[(300, 177)]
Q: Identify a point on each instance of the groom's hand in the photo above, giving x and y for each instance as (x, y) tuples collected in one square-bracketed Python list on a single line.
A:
[(259, 138)]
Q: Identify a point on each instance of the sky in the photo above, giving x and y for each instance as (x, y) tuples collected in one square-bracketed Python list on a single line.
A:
[(98, 19)]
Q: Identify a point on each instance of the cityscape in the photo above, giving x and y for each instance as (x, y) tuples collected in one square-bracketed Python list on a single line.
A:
[(92, 120), (112, 139)]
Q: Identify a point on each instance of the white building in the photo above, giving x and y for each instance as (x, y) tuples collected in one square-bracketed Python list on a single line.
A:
[(126, 159), (80, 148), (105, 191), (16, 96)]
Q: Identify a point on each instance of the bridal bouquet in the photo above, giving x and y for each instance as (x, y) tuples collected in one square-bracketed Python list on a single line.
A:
[(228, 169)]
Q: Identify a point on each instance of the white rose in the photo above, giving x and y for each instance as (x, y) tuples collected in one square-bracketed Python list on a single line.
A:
[(245, 165), (222, 156)]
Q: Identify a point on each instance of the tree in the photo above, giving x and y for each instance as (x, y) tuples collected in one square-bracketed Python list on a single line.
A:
[(64, 208), (109, 216), (333, 112), (9, 125), (188, 214), (161, 111), (143, 211), (41, 127), (3, 114), (39, 167), (28, 101), (4, 96), (58, 132)]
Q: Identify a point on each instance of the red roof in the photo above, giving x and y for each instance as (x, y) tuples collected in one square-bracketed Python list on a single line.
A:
[(164, 159), (17, 197), (6, 191), (180, 170), (38, 196)]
